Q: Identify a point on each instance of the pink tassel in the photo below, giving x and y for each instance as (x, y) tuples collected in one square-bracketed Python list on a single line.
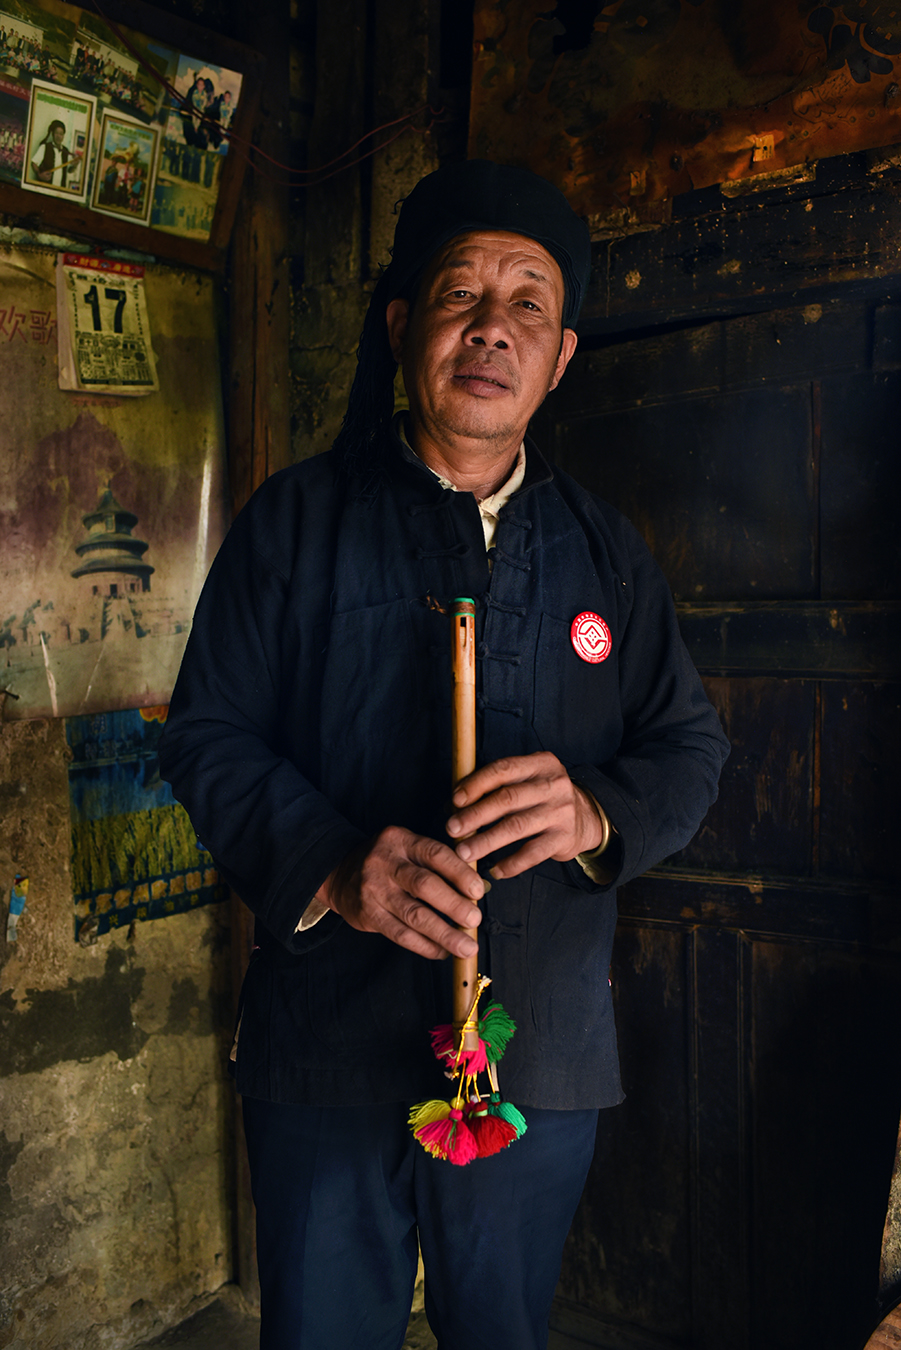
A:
[(450, 1139), (473, 1061)]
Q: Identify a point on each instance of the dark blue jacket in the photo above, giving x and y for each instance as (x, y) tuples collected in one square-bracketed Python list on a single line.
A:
[(313, 708)]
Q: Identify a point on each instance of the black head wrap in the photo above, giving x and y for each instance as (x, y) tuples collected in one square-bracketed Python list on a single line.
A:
[(456, 199)]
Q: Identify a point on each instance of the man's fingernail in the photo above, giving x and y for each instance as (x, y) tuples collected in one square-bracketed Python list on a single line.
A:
[(453, 825), (464, 852), (492, 872), (458, 798), (487, 884), (477, 890)]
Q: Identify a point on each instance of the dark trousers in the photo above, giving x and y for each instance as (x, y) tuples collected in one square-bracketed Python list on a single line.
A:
[(342, 1193)]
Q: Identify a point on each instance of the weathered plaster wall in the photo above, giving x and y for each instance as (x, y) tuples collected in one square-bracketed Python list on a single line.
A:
[(115, 1108)]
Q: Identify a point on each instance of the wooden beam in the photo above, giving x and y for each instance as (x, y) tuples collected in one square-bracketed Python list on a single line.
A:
[(259, 281), (734, 261), (801, 640), (791, 909), (258, 420)]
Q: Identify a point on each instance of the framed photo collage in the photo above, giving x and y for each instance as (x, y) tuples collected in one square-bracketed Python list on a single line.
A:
[(130, 127)]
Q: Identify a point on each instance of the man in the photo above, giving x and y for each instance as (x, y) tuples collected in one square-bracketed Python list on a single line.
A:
[(309, 737), (53, 165)]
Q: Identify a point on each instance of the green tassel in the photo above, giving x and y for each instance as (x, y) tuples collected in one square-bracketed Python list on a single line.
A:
[(496, 1026), (510, 1113)]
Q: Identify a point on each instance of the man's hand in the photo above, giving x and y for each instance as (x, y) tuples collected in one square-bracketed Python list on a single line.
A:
[(400, 884), (529, 797)]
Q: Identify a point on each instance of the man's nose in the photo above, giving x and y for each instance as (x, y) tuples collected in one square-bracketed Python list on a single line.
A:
[(488, 326)]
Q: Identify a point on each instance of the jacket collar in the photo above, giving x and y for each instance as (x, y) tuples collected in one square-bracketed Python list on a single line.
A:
[(538, 471)]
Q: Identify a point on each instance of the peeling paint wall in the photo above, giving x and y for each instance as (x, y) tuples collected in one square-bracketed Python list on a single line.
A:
[(115, 1107)]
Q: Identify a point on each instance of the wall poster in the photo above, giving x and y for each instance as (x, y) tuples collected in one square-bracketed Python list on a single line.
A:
[(135, 855), (111, 508)]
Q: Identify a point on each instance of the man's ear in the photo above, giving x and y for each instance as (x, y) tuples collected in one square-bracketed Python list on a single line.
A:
[(397, 315), (567, 347)]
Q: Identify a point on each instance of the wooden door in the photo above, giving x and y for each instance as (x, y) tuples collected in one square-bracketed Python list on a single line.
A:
[(738, 1195)]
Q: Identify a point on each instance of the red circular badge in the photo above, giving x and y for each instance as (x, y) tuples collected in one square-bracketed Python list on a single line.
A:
[(591, 637)]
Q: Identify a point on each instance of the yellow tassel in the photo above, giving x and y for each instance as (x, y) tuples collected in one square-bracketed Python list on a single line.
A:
[(426, 1113)]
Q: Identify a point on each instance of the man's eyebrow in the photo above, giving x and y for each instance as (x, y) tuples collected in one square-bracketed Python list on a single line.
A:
[(466, 264)]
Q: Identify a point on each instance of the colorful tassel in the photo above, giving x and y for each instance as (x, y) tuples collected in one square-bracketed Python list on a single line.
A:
[(428, 1112), (496, 1028), (491, 1132), (450, 1139), (470, 1126), (508, 1112), (472, 1061)]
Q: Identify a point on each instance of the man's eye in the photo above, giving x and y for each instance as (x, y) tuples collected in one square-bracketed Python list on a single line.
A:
[(529, 304)]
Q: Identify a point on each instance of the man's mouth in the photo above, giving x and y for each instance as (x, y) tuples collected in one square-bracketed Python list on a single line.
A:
[(476, 375)]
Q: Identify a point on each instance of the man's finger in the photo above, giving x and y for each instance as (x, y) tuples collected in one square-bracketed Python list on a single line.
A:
[(510, 802), (438, 860), (511, 769), (427, 936), (405, 887)]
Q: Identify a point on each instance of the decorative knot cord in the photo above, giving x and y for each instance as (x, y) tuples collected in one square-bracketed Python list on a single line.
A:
[(473, 1124)]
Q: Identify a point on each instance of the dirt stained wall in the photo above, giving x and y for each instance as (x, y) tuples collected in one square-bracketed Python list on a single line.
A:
[(115, 1106)]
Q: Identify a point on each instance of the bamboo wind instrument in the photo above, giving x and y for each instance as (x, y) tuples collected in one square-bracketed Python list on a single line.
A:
[(474, 1124), (463, 753)]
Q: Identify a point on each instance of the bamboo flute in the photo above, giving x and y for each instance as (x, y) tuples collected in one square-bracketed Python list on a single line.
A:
[(466, 969)]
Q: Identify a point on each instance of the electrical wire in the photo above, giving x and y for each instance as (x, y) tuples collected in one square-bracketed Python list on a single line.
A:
[(246, 149)]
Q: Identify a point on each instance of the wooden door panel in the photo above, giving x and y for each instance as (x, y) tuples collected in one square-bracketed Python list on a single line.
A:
[(738, 1194), (628, 1257), (762, 820), (721, 488), (827, 1093), (860, 802), (860, 486)]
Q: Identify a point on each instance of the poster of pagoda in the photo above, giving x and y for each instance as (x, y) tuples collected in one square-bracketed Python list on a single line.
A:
[(111, 508)]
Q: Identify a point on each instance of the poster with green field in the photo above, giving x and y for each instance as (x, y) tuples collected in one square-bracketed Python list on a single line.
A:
[(135, 855)]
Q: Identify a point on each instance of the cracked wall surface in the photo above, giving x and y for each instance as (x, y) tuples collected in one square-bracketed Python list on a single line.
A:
[(115, 1105)]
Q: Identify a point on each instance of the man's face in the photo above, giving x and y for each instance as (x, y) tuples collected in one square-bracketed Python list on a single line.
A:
[(58, 133), (482, 345)]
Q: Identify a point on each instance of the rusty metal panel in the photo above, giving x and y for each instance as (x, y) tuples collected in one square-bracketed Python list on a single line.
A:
[(627, 104)]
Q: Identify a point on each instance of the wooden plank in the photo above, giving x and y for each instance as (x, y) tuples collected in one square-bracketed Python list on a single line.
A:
[(766, 254), (860, 798), (627, 1259), (260, 289), (861, 485), (764, 811), (786, 1127), (792, 344), (720, 1171), (783, 909), (258, 426), (721, 489), (797, 640)]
